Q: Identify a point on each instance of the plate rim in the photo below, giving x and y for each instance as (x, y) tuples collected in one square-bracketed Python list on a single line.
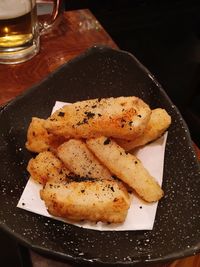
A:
[(45, 251)]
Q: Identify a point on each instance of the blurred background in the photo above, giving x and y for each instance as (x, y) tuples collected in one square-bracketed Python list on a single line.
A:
[(165, 37)]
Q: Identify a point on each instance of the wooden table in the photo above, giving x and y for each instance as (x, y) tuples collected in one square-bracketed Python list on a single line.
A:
[(77, 31)]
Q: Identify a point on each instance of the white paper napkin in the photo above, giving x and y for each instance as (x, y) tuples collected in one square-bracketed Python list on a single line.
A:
[(141, 215)]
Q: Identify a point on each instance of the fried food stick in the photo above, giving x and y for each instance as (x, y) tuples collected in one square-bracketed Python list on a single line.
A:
[(47, 167), (81, 161), (121, 117), (126, 167), (157, 125), (99, 200), (38, 138)]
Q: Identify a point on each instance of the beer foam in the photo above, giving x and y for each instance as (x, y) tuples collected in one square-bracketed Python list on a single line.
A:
[(10, 9)]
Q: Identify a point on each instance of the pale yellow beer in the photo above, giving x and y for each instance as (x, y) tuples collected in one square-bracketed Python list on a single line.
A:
[(17, 18), (20, 31)]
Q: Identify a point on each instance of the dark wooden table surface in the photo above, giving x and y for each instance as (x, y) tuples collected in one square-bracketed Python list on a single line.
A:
[(77, 31)]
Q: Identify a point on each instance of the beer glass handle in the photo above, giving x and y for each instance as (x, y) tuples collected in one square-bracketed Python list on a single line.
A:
[(57, 10)]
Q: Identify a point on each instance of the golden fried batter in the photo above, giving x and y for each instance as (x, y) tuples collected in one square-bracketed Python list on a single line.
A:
[(99, 200), (47, 167), (159, 121), (81, 161), (38, 138), (121, 117), (126, 167)]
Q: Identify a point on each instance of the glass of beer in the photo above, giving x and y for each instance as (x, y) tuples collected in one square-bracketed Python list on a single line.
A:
[(20, 29)]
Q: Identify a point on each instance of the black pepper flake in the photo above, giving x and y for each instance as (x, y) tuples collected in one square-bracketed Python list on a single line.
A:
[(82, 191), (23, 204), (112, 188), (79, 179), (139, 116), (99, 115), (89, 114), (61, 114), (94, 106), (136, 162), (140, 207), (107, 141), (130, 123), (82, 122)]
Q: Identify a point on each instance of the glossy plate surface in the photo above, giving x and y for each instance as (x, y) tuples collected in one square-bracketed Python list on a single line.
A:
[(101, 72)]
